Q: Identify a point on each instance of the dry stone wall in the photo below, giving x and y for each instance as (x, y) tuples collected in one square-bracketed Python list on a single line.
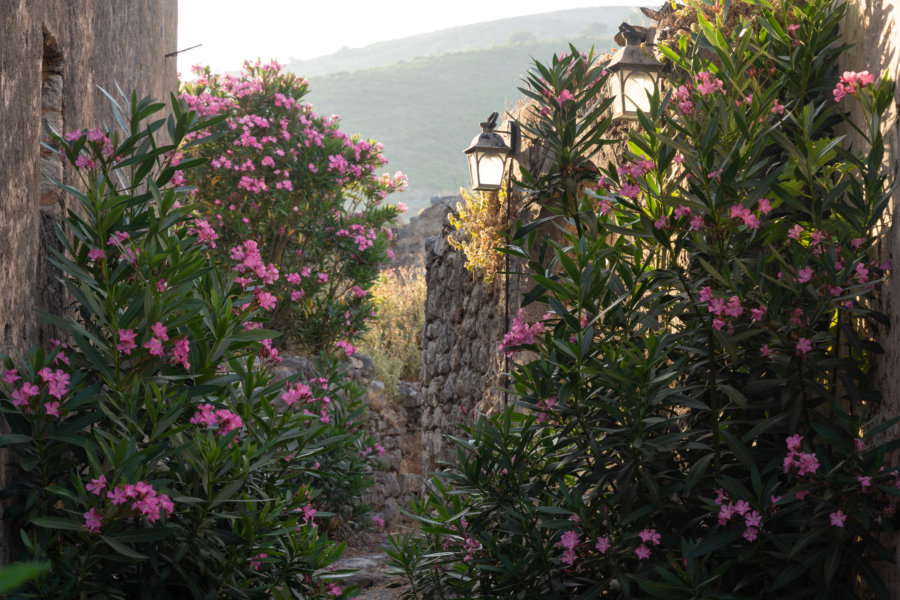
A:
[(53, 56)]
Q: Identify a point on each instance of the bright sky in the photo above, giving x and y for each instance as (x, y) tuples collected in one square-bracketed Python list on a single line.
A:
[(234, 30)]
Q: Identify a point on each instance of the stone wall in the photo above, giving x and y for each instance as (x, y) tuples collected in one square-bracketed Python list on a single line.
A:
[(53, 55), (873, 27), (466, 318)]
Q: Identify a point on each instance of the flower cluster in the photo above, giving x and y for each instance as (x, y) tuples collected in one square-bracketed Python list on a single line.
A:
[(850, 81), (126, 500), (521, 334), (41, 397), (221, 420)]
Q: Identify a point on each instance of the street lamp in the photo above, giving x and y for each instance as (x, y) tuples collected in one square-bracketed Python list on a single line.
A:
[(633, 75), (488, 152)]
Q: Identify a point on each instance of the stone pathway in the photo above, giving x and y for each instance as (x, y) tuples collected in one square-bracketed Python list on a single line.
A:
[(372, 577)]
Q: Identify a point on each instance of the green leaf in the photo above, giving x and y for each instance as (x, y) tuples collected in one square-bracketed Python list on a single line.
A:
[(122, 548)]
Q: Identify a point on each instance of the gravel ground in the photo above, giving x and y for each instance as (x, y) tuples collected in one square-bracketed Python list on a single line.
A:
[(367, 558)]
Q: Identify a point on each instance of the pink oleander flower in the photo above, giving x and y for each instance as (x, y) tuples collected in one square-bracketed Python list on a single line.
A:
[(96, 486), (266, 300), (471, 546), (805, 274), (697, 223), (155, 347), (568, 540), (777, 108), (630, 190), (180, 352), (708, 84), (650, 536), (93, 520), (804, 345), (865, 482), (564, 96), (333, 589), (378, 521), (794, 232), (96, 254), (793, 442), (603, 544), (52, 409), (520, 334), (11, 376), (642, 552), (837, 518), (126, 341), (160, 331)]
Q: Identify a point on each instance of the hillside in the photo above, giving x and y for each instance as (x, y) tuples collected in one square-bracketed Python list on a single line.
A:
[(426, 110), (532, 28)]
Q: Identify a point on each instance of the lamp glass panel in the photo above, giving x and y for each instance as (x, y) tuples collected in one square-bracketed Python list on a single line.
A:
[(490, 169), (638, 84), (473, 169)]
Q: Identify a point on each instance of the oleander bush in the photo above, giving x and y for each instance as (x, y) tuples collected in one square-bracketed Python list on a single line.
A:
[(304, 190), (698, 420), (152, 453)]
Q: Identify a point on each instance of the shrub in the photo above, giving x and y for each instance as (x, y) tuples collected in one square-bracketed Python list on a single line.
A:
[(394, 340), (482, 221), (153, 454), (301, 188), (695, 424)]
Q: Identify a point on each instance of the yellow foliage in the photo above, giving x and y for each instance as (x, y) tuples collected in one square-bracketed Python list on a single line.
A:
[(481, 218), (393, 340)]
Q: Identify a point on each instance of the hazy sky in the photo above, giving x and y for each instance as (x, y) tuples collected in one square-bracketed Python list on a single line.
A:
[(234, 30)]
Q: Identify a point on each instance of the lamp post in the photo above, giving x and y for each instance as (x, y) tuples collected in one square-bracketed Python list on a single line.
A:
[(634, 73), (487, 156), (488, 153)]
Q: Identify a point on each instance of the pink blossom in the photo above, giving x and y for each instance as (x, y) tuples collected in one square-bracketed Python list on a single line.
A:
[(96, 486), (159, 330), (11, 376), (96, 254), (52, 409), (777, 108), (837, 518), (650, 536), (630, 190), (603, 544), (697, 223), (805, 274), (708, 84), (155, 346), (793, 442), (764, 351), (126, 341), (520, 334), (564, 96), (794, 232), (266, 300), (642, 552), (804, 345), (93, 520), (180, 352), (865, 482), (764, 206)]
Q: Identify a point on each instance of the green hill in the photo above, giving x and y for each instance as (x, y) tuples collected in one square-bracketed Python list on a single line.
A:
[(543, 27), (426, 110)]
